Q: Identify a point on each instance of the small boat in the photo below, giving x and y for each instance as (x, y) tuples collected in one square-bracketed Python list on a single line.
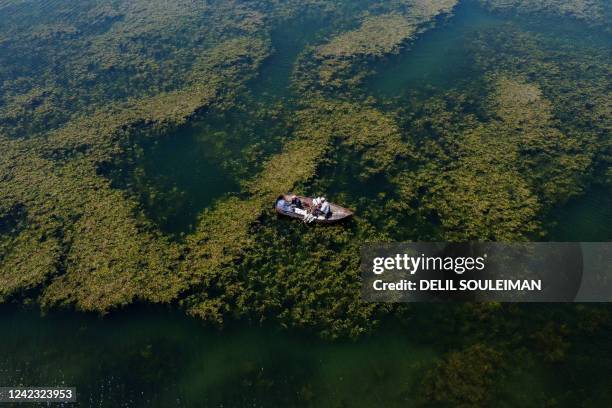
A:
[(337, 213)]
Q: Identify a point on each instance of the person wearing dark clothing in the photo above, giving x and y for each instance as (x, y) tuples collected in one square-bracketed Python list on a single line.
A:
[(296, 202)]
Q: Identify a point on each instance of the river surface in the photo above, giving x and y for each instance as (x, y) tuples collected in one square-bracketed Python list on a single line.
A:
[(157, 357)]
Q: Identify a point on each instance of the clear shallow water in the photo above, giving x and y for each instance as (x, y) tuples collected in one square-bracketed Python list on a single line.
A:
[(441, 58), (288, 41), (180, 175), (438, 59)]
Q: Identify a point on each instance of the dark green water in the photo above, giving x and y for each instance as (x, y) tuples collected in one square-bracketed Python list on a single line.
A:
[(585, 218), (153, 357), (179, 176), (438, 59), (288, 41)]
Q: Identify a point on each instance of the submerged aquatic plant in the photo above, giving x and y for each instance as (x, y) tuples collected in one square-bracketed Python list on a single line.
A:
[(485, 159)]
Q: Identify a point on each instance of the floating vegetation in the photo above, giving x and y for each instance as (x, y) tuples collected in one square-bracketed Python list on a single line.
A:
[(377, 35), (92, 101)]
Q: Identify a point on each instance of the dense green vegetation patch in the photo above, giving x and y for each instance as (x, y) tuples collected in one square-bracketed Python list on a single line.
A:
[(485, 159), (57, 63)]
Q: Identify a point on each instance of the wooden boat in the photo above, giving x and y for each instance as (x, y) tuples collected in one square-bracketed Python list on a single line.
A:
[(338, 213)]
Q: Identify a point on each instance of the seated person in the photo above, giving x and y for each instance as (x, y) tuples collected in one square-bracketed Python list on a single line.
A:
[(296, 202), (325, 208), (321, 207), (284, 205)]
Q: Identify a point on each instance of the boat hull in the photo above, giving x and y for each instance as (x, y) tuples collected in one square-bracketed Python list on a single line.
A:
[(338, 213)]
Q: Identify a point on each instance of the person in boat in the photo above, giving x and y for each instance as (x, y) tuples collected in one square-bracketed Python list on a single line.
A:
[(325, 208), (284, 205), (296, 202), (321, 207)]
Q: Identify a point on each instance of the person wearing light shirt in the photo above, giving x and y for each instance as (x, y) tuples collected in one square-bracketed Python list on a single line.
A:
[(324, 207)]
